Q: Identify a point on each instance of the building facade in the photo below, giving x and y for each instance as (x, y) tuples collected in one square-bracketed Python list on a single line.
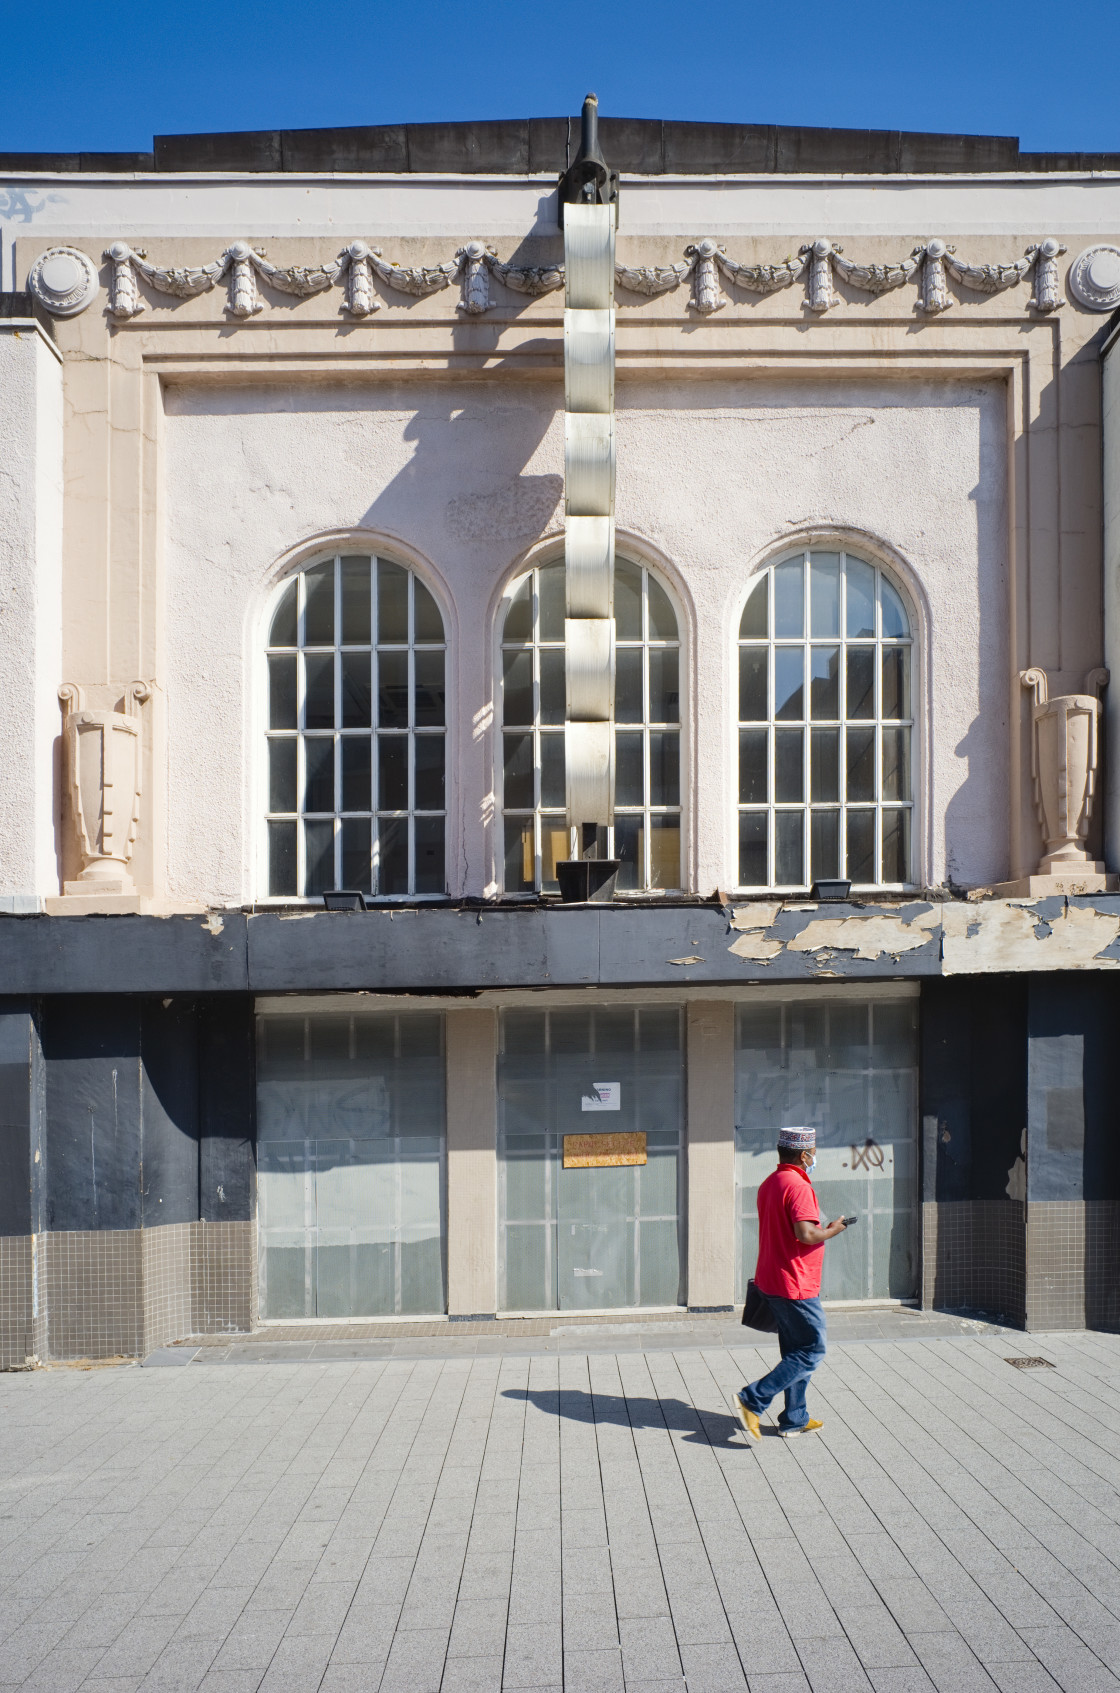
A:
[(287, 609)]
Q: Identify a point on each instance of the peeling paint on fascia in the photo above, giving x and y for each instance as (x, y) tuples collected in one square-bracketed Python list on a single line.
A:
[(214, 923), (747, 917), (686, 961), (1015, 935), (868, 937), (755, 947)]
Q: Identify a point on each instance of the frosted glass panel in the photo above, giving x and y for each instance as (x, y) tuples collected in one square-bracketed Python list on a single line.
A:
[(350, 1165), (589, 1239), (848, 1068)]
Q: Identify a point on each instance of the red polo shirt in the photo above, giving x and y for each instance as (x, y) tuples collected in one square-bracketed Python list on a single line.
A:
[(785, 1267)]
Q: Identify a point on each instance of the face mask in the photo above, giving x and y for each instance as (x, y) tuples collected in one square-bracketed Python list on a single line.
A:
[(811, 1166)]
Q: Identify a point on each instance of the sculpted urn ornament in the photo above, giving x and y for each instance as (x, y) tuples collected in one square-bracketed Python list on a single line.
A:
[(104, 752), (1064, 754)]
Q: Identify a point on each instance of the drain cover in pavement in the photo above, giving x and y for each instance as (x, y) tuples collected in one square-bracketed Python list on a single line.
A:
[(1029, 1363)]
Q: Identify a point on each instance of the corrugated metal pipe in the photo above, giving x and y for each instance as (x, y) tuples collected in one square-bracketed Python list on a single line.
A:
[(588, 209)]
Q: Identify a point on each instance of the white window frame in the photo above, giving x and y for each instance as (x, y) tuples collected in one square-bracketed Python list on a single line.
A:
[(830, 545), (408, 814), (541, 814)]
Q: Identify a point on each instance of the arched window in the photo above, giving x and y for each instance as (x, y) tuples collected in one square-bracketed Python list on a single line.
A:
[(825, 726), (356, 732), (647, 826)]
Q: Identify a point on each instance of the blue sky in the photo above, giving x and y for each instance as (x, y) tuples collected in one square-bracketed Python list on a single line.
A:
[(109, 77)]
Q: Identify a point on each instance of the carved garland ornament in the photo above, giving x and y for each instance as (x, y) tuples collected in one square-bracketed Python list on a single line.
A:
[(476, 265)]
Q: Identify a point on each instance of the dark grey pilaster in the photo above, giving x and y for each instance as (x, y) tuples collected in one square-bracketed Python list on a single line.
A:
[(1073, 1153), (21, 1181), (974, 1113)]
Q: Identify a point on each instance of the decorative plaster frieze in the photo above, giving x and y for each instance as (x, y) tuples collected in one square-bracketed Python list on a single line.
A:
[(476, 265), (1094, 278), (244, 301), (475, 279), (705, 278), (987, 279), (183, 282), (1047, 294), (294, 279), (525, 279), (709, 260), (819, 254), (419, 281), (652, 280), (355, 264), (64, 280), (760, 279), (876, 279), (933, 289), (124, 295)]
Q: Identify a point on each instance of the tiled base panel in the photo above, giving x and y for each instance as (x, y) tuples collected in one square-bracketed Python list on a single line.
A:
[(121, 1292), (1052, 1265), (1044, 1264), (974, 1255)]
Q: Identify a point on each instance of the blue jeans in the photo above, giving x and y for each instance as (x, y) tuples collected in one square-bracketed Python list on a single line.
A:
[(801, 1336)]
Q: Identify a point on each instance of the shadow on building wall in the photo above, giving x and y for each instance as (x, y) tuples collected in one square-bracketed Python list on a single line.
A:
[(477, 447), (976, 841)]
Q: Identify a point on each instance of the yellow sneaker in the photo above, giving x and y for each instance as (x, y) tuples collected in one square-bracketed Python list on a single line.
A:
[(810, 1427), (749, 1420)]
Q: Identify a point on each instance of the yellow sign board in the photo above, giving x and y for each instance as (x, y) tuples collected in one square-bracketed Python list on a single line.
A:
[(593, 1152)]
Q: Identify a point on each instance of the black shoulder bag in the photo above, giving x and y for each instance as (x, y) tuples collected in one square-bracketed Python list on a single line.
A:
[(757, 1313)]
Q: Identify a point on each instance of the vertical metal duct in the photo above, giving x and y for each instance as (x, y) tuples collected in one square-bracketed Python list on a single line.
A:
[(589, 212)]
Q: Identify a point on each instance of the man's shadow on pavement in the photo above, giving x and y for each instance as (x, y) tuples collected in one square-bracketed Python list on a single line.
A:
[(715, 1428)]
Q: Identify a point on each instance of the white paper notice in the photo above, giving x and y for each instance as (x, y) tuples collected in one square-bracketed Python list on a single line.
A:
[(604, 1096)]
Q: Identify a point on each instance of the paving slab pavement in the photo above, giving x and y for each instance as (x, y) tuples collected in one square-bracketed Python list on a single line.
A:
[(478, 1337), (566, 1510)]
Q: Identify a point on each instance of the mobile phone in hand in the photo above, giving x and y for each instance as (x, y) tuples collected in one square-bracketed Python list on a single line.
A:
[(848, 1221)]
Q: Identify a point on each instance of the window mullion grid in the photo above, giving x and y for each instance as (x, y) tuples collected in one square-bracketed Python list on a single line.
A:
[(647, 781), (371, 868), (771, 756), (538, 796), (336, 749), (301, 741), (806, 714), (410, 739), (374, 731), (374, 762), (877, 698), (842, 707)]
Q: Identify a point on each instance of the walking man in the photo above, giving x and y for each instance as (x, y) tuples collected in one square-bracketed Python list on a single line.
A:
[(790, 1255)]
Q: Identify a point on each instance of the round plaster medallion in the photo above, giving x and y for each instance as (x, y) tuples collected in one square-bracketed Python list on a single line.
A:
[(64, 279), (1094, 278)]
